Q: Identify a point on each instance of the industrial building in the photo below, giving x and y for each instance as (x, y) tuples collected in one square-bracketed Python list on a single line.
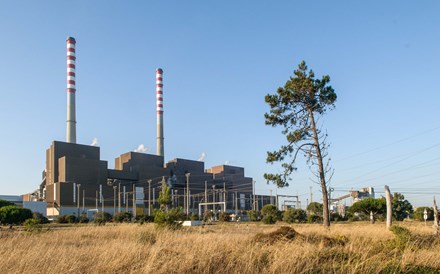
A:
[(77, 180)]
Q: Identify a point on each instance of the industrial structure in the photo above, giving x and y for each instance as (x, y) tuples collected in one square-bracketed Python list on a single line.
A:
[(77, 181)]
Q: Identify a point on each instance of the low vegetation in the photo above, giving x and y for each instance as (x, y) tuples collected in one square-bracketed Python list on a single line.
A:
[(243, 247)]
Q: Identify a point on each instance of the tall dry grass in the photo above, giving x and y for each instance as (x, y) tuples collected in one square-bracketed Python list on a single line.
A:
[(221, 248)]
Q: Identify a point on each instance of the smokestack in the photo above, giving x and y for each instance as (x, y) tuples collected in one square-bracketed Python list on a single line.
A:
[(159, 109), (71, 89)]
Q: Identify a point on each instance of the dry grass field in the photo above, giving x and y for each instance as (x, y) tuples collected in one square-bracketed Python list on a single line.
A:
[(220, 248)]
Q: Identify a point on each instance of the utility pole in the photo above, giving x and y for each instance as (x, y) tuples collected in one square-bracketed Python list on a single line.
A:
[(114, 199), (213, 198), (187, 193), (236, 203), (149, 197), (84, 198), (311, 195), (78, 185), (206, 195), (119, 197), (224, 195), (253, 198), (134, 200), (96, 205)]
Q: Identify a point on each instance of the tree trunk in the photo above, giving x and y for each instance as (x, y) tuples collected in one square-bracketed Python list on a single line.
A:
[(435, 226), (389, 207), (321, 172)]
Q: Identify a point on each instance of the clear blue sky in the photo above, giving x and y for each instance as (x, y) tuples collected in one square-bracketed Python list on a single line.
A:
[(219, 60)]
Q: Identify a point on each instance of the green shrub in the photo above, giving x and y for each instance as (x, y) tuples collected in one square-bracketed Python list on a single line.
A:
[(32, 225), (83, 219), (6, 203), (293, 215), (254, 216), (71, 219), (40, 217), (402, 236), (270, 214), (14, 215), (101, 218), (336, 217), (171, 219), (419, 212), (312, 218), (194, 217), (121, 217), (224, 217), (208, 215)]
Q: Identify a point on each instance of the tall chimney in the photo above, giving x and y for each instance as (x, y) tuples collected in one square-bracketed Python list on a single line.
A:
[(71, 89), (159, 109)]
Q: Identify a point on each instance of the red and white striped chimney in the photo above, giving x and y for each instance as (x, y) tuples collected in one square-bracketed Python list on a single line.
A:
[(71, 89), (159, 110)]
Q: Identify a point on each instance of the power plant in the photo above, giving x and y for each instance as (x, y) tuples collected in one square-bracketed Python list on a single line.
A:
[(77, 180)]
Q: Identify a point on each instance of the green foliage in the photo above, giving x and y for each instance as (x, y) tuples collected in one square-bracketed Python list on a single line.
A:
[(194, 217), (270, 214), (32, 225), (40, 218), (83, 219), (312, 219), (144, 219), (208, 216), (402, 236), (72, 219), (365, 206), (121, 217), (101, 217), (164, 196), (293, 215), (171, 219), (419, 212), (224, 217), (293, 107), (6, 203), (254, 216), (402, 208), (12, 214), (67, 219), (315, 208), (336, 217)]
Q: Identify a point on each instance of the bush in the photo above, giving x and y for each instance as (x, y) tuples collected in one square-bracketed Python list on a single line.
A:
[(194, 217), (336, 217), (12, 214), (419, 212), (83, 219), (121, 217), (224, 217), (32, 225), (171, 219), (270, 214), (293, 215), (40, 217), (6, 203), (101, 218), (71, 219), (208, 216), (312, 218), (254, 216), (403, 235)]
